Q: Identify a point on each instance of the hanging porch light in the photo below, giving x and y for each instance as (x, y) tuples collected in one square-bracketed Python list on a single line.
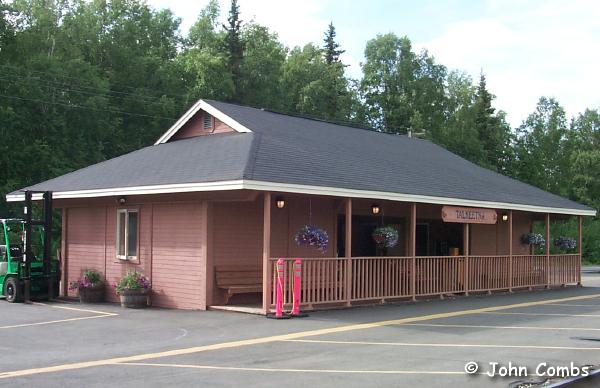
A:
[(280, 202), (375, 209)]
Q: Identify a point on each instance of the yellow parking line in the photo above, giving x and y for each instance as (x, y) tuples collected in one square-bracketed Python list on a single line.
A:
[(501, 327), (542, 314), (442, 345), (279, 370), (263, 340)]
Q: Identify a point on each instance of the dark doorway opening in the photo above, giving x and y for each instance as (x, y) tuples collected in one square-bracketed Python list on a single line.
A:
[(362, 240), (422, 240)]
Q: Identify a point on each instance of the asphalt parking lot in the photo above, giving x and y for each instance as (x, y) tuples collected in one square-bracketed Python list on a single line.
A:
[(424, 344)]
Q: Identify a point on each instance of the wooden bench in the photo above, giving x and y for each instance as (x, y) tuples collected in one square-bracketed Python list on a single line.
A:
[(239, 279)]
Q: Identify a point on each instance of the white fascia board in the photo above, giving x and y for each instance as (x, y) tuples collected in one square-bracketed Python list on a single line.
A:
[(138, 190), (200, 105), (301, 189), (351, 193)]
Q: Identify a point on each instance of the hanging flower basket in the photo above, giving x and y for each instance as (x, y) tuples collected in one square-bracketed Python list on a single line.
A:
[(385, 236), (565, 242), (535, 239), (312, 236)]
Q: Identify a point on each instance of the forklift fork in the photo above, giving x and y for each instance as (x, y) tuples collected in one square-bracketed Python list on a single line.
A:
[(46, 223)]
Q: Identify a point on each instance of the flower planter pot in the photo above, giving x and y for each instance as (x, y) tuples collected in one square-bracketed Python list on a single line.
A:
[(135, 299), (92, 295)]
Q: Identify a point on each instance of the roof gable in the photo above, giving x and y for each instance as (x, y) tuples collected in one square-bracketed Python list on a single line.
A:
[(193, 113)]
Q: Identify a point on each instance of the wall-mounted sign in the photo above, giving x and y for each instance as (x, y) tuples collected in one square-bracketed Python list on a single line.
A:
[(469, 215)]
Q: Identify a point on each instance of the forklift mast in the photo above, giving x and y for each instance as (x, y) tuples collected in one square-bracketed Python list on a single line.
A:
[(46, 223)]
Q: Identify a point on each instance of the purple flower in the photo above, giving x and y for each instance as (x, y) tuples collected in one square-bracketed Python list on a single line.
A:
[(385, 236), (565, 242), (312, 236), (132, 281)]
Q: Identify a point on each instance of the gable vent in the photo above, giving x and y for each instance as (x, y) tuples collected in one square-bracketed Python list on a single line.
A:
[(207, 121)]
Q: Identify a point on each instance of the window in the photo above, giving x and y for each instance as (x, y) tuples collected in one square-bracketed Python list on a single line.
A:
[(207, 122), (127, 234)]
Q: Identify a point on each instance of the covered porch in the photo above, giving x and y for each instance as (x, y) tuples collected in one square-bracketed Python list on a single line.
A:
[(432, 257)]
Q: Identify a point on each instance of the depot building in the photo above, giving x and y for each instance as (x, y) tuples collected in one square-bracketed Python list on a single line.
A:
[(227, 190)]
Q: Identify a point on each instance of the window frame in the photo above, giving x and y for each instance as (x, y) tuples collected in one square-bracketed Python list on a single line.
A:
[(127, 258)]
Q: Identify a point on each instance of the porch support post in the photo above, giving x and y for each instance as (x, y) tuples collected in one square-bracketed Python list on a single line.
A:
[(547, 250), (510, 250), (64, 282), (266, 283), (413, 250), (348, 251), (580, 247), (466, 249)]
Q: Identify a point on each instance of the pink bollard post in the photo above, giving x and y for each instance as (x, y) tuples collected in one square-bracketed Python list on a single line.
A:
[(279, 295), (297, 290), (297, 285)]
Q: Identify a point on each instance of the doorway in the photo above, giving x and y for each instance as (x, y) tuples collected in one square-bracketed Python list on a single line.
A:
[(422, 240), (362, 240)]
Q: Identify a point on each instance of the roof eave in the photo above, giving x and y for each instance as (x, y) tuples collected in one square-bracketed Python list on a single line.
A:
[(303, 189)]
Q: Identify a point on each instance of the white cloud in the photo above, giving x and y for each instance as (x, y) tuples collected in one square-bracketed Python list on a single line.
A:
[(529, 49), (296, 22)]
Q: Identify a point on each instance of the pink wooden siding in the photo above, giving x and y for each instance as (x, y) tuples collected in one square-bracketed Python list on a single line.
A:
[(493, 239), (86, 241), (236, 236), (483, 238), (114, 268), (237, 230), (171, 250), (182, 237), (177, 256), (324, 215), (521, 225), (194, 127)]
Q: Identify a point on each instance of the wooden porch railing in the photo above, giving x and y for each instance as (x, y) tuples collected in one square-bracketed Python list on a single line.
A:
[(346, 280)]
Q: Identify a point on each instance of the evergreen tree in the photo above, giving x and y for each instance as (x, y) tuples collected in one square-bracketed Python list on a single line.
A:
[(493, 132), (235, 48), (331, 48), (333, 79), (310, 86)]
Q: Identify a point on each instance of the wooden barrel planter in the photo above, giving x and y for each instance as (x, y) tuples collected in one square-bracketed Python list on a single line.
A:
[(135, 299), (93, 294)]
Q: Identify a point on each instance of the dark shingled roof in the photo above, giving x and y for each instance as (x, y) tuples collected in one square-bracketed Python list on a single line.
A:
[(296, 150)]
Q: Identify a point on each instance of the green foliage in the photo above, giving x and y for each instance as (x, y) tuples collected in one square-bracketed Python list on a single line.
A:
[(234, 47), (402, 91), (262, 67), (331, 48), (540, 148), (132, 281), (312, 87), (88, 81), (84, 81)]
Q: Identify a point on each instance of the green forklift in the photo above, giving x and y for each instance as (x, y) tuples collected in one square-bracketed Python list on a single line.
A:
[(27, 270)]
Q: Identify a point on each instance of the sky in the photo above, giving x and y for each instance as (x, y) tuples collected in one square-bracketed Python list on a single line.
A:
[(526, 49)]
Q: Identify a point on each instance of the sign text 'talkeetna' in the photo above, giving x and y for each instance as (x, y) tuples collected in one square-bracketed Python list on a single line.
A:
[(469, 215)]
